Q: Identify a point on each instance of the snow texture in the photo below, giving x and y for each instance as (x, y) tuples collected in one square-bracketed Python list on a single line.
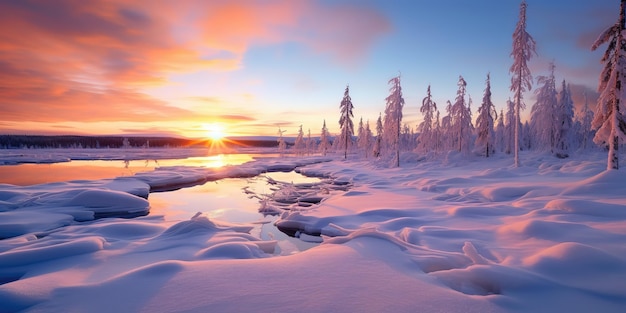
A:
[(461, 235)]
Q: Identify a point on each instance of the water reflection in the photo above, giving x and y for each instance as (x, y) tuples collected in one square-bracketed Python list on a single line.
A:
[(235, 200), (226, 201), (31, 174)]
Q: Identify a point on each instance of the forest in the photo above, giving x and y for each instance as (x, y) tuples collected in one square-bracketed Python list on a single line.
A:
[(39, 142)]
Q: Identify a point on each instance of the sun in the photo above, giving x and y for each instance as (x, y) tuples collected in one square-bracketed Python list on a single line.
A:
[(215, 132)]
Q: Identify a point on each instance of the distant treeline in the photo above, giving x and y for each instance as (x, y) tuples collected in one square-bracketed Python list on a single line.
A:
[(28, 141)]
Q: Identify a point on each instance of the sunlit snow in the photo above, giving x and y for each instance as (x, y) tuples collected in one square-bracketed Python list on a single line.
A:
[(454, 235)]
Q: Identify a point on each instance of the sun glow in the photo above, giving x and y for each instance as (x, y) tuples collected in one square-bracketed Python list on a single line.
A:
[(214, 132)]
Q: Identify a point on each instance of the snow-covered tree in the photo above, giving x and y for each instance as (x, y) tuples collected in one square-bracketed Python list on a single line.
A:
[(509, 127), (379, 137), (484, 123), (609, 119), (446, 129), (500, 137), (584, 118), (461, 119), (360, 133), (366, 143), (299, 145), (324, 140), (393, 118), (126, 143), (336, 143), (345, 123), (437, 137), (282, 145), (563, 121), (425, 128), (407, 138), (543, 112), (523, 49), (526, 137), (310, 144)]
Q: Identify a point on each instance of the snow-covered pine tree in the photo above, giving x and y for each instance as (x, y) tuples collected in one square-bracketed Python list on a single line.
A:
[(526, 137), (425, 128), (609, 119), (126, 143), (310, 145), (447, 141), (563, 121), (485, 122), (584, 117), (299, 145), (360, 134), (345, 122), (368, 139), (542, 118), (282, 145), (523, 49), (500, 137), (461, 119), (379, 137), (335, 144), (509, 127), (406, 138), (324, 140), (393, 118), (437, 133)]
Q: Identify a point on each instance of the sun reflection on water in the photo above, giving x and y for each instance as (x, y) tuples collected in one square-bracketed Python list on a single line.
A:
[(30, 174)]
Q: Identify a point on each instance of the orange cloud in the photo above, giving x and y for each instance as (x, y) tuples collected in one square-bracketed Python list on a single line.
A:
[(343, 31), (70, 60)]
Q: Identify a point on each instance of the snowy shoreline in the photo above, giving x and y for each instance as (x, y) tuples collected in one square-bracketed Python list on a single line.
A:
[(459, 235)]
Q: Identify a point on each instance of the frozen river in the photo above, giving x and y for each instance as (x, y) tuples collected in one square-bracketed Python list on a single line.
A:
[(231, 200), (24, 174)]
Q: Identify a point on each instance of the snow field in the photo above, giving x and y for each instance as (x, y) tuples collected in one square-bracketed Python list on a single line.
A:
[(454, 236)]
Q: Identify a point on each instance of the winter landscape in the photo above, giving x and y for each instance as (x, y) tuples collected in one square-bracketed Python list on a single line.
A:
[(154, 158)]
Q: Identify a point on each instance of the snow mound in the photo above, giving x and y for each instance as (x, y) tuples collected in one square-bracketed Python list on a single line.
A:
[(562, 260), (587, 207), (128, 230), (199, 224), (12, 225), (507, 193), (607, 183), (41, 208), (484, 211), (556, 231), (30, 255), (106, 203), (427, 260), (232, 250)]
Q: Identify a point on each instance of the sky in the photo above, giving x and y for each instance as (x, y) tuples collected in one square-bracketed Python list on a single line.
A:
[(176, 68)]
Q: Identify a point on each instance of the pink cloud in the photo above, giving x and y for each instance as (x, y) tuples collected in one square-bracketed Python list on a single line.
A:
[(345, 32), (88, 60), (600, 19)]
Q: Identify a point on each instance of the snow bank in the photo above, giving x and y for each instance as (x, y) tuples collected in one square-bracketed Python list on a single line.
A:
[(12, 225), (19, 156), (41, 208)]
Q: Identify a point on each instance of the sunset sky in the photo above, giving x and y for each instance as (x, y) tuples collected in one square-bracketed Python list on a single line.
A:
[(152, 67)]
